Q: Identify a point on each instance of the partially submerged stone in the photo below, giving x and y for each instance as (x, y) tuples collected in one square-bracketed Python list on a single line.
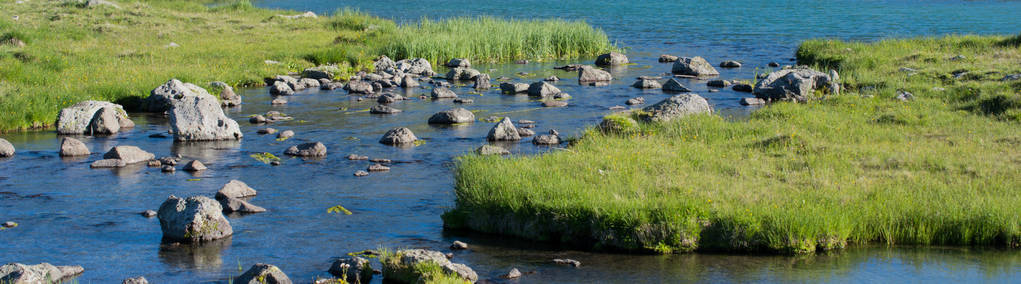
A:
[(504, 131), (514, 88), (262, 273), (399, 137), (6, 148), (352, 269), (611, 59), (194, 166), (92, 117), (443, 93), (135, 280), (17, 273), (402, 270), (553, 138), (195, 219), (694, 66), (589, 74), (129, 154), (542, 89), (673, 85), (457, 115), (200, 118), (70, 147), (313, 149), (647, 84), (162, 98), (235, 189)]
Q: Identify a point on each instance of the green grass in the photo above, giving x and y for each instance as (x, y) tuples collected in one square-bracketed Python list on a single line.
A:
[(74, 53), (429, 272), (860, 167)]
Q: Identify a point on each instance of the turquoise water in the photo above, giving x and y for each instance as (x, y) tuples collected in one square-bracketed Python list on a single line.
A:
[(70, 214)]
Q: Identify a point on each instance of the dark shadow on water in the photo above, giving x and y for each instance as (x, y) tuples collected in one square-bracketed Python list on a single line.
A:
[(204, 256)]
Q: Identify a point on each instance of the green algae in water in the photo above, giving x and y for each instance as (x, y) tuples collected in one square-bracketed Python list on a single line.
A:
[(265, 158), (338, 209)]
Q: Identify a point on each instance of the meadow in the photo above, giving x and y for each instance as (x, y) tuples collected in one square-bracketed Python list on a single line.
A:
[(860, 167), (58, 52)]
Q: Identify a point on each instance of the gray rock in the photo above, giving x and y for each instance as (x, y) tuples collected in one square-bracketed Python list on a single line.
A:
[(694, 66), (135, 280), (168, 169), (227, 96), (194, 166), (359, 87), (1011, 77), (460, 73), (378, 168), (309, 83), (267, 131), (409, 82), (458, 245), (514, 88), (553, 138), (834, 82), (677, 106), (443, 93), (525, 132), (730, 64), (232, 205), (542, 89), (6, 148), (398, 137), (635, 101), (331, 86), (262, 273), (743, 88), (101, 3), (195, 219), (200, 118), (356, 157), (463, 101), (286, 134), (382, 109), (774, 64), (361, 173), (389, 98), (352, 270), (589, 74), (235, 189), (384, 64), (513, 274), (905, 96), (611, 59), (129, 154), (70, 147), (108, 163), (457, 115), (482, 82), (752, 101), (667, 58), (791, 84), (570, 262), (554, 103), (504, 131), (402, 270), (149, 213), (162, 98), (320, 72), (105, 122), (491, 150), (17, 273), (313, 149), (80, 118), (647, 84), (718, 83), (553, 78), (459, 62), (417, 66), (673, 85)]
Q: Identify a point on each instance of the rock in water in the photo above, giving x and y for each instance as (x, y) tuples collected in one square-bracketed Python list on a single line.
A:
[(403, 269), (673, 85), (752, 101), (352, 269), (791, 84), (694, 66), (504, 131), (667, 58), (196, 219), (491, 150), (459, 62), (280, 88), (108, 163), (458, 245), (231, 205), (228, 98), (235, 189), (677, 106), (17, 273), (443, 93), (200, 118), (70, 147), (542, 89), (457, 115), (359, 87), (611, 59), (718, 83), (743, 88), (589, 74), (262, 273), (553, 138), (162, 98), (647, 84), (129, 154), (482, 82), (194, 166), (6, 148), (730, 64), (460, 73), (399, 137), (514, 88), (81, 117), (315, 149), (135, 280), (382, 109)]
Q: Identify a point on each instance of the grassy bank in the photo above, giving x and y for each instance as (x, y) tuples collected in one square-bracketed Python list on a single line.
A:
[(860, 167), (73, 53)]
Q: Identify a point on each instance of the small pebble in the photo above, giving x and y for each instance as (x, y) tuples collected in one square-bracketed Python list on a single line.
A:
[(381, 161), (567, 261), (274, 163), (459, 245), (449, 255), (378, 168), (154, 164), (361, 173), (285, 135), (356, 157), (149, 213), (267, 131)]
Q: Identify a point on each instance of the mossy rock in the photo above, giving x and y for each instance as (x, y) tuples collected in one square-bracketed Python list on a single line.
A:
[(619, 124)]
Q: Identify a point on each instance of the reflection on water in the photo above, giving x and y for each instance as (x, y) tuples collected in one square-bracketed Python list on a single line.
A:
[(204, 256)]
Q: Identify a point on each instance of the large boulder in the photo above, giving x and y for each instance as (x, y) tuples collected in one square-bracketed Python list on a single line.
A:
[(196, 219), (673, 85), (457, 115), (17, 273), (504, 131), (399, 137), (589, 74), (694, 66), (443, 93), (70, 147), (129, 154), (461, 73), (676, 106), (315, 149), (6, 148), (542, 89), (82, 117), (262, 273), (796, 84), (352, 270), (514, 88), (200, 118), (402, 270), (611, 59), (162, 98)]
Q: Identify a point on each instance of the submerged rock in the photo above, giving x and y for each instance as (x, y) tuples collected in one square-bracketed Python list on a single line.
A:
[(382, 109), (314, 149), (403, 269), (262, 273), (17, 273), (554, 103), (667, 58), (235, 189), (399, 137), (194, 166), (611, 59), (752, 101), (108, 163), (694, 66), (135, 280), (195, 219), (743, 88), (635, 101), (567, 261), (718, 83), (352, 269), (677, 106), (730, 64), (232, 205), (286, 134), (504, 131), (457, 115), (92, 117)]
